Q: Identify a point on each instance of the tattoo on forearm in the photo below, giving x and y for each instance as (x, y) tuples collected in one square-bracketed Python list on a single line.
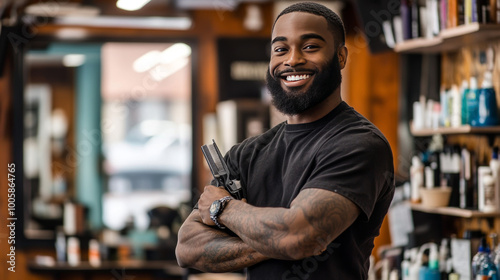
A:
[(222, 252), (313, 221), (225, 254)]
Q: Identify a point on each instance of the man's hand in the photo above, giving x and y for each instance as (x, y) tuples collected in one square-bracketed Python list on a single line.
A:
[(209, 195)]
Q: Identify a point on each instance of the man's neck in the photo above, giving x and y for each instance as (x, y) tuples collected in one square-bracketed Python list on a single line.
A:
[(317, 112)]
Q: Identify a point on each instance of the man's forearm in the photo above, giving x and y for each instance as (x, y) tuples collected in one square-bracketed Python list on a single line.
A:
[(213, 250), (267, 230), (303, 230)]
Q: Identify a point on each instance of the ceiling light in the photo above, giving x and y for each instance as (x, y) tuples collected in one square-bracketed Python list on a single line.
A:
[(146, 61), (172, 53), (253, 19), (219, 5), (73, 60), (51, 9), (165, 23), (153, 58), (162, 71), (131, 5), (71, 33)]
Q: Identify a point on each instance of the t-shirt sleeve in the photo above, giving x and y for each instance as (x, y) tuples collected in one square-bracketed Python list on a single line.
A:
[(359, 168)]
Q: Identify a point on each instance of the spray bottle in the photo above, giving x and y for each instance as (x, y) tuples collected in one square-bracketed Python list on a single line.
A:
[(432, 271), (417, 271)]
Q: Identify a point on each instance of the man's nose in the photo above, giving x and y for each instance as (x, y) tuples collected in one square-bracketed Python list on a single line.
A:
[(295, 57)]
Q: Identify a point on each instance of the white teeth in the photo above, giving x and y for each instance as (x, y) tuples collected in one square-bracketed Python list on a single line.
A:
[(296, 77)]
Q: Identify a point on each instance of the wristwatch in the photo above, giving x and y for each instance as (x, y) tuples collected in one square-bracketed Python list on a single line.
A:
[(216, 209)]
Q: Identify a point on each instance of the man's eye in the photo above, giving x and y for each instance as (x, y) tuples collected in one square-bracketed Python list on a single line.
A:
[(310, 47), (280, 50)]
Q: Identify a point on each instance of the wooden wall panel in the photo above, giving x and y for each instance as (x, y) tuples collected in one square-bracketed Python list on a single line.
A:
[(372, 88)]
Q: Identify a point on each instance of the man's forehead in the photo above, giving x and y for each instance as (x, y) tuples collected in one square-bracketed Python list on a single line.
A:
[(294, 21)]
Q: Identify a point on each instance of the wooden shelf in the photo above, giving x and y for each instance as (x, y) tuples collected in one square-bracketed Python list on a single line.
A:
[(451, 39), (453, 211), (465, 129), (419, 45), (169, 267)]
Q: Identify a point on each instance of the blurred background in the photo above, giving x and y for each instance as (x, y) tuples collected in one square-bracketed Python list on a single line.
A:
[(104, 106)]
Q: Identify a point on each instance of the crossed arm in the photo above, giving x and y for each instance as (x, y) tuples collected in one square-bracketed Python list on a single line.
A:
[(212, 250), (316, 217)]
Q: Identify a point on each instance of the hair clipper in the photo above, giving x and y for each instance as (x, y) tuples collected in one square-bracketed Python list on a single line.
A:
[(220, 171)]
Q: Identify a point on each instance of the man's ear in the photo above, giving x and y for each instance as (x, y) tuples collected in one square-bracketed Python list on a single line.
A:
[(342, 54)]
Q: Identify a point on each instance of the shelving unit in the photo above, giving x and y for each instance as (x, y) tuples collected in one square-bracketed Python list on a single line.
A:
[(452, 40), (449, 39), (453, 211), (465, 129)]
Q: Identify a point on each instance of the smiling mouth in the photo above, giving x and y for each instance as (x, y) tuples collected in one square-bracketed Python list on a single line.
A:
[(293, 78), (296, 79)]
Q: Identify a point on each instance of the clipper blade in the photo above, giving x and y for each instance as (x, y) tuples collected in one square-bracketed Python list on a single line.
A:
[(214, 160)]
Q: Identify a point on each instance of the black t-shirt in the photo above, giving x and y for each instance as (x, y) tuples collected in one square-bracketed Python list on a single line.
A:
[(342, 152)]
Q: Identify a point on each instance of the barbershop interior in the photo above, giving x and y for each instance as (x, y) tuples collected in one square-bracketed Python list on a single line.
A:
[(105, 106)]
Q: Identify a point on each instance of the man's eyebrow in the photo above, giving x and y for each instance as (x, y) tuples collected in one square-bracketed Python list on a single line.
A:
[(312, 36), (279, 39), (302, 37)]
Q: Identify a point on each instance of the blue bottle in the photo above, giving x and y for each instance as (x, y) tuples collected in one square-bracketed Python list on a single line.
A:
[(488, 269), (487, 103), (478, 258), (464, 91), (471, 101), (432, 271)]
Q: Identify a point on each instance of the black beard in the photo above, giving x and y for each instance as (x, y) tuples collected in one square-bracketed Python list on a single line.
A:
[(295, 102)]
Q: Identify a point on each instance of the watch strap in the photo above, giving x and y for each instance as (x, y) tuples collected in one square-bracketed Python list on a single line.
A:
[(223, 201)]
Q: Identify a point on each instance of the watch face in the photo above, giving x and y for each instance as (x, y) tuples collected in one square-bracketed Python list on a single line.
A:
[(214, 208)]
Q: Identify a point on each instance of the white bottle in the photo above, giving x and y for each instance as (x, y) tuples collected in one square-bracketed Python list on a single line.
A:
[(482, 172), (443, 255), (429, 177), (444, 96), (414, 270), (456, 107), (405, 265), (495, 171), (386, 269), (418, 115), (394, 275), (73, 251), (94, 253), (417, 178), (489, 194)]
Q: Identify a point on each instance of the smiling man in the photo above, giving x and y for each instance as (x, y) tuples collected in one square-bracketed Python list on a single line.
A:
[(318, 185)]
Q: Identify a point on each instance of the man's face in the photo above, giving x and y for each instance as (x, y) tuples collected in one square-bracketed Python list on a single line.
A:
[(304, 67)]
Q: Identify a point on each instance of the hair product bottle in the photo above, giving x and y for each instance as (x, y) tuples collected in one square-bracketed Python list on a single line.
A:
[(487, 103)]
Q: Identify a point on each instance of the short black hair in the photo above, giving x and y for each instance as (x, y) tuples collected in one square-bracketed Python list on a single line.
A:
[(335, 24)]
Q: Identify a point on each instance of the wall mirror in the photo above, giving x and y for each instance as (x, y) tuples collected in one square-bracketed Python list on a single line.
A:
[(106, 133)]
